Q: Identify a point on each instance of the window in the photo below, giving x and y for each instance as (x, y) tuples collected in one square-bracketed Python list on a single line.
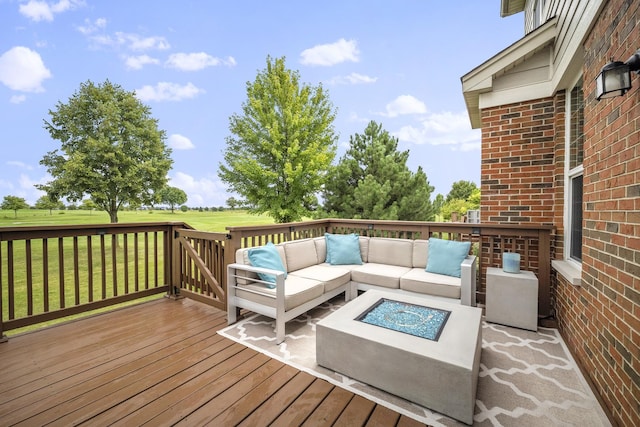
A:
[(574, 173)]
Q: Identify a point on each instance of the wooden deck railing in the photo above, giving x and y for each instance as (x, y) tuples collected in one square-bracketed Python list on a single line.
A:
[(52, 272), (199, 268)]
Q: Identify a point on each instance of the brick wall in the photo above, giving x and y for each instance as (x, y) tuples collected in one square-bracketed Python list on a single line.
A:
[(517, 178), (601, 318)]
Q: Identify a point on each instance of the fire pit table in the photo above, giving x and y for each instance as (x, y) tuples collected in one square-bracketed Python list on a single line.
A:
[(423, 350)]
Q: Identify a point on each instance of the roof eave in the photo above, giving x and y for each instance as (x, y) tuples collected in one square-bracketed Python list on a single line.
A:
[(511, 7), (480, 79)]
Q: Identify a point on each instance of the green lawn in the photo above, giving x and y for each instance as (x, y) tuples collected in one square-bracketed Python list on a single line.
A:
[(204, 221)]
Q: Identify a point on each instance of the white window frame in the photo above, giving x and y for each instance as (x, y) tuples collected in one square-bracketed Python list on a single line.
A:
[(569, 174)]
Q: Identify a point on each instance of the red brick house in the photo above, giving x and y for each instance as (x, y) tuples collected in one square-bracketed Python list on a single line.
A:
[(554, 154)]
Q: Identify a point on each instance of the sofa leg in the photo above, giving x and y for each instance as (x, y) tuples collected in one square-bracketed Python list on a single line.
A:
[(279, 331), (232, 314)]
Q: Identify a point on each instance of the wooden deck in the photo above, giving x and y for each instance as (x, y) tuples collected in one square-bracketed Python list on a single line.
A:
[(162, 363)]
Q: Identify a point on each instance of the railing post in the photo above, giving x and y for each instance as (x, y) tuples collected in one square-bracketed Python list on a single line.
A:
[(544, 271), (174, 262), (3, 337), (231, 245)]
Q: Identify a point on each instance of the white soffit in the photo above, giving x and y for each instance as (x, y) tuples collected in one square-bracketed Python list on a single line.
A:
[(480, 80)]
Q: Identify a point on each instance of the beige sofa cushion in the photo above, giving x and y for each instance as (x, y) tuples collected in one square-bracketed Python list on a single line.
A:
[(321, 248), (331, 276), (383, 275), (297, 291), (420, 253), (300, 254), (421, 281), (390, 251), (242, 256), (364, 248)]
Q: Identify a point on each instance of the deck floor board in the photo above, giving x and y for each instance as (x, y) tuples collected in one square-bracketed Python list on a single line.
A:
[(163, 363)]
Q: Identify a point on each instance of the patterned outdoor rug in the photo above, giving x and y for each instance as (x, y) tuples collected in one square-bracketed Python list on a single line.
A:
[(526, 378)]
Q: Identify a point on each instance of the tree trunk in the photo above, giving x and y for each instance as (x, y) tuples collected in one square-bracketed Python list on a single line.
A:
[(113, 212)]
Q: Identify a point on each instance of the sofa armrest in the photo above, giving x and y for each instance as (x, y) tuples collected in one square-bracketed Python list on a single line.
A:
[(468, 281), (232, 269), (232, 285)]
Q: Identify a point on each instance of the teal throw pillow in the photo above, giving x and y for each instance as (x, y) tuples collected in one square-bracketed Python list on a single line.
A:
[(267, 256), (445, 256), (343, 249)]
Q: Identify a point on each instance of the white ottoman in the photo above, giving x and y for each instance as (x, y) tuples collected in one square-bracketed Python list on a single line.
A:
[(512, 298)]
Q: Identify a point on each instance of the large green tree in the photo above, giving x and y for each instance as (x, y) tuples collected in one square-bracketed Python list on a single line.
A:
[(372, 181), (461, 190), (464, 196), (14, 203), (173, 197), (47, 203), (111, 149), (281, 145)]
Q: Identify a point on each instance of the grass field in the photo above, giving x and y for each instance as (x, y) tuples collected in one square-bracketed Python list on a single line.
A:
[(204, 221)]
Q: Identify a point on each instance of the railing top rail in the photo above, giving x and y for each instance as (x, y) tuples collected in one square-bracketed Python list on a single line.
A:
[(52, 231), (263, 227), (389, 223)]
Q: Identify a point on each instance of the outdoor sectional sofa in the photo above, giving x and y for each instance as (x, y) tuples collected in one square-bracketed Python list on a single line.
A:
[(286, 280)]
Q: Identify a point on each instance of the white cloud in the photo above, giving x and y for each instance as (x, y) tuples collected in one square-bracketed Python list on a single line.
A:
[(25, 187), (196, 61), (331, 54), (38, 10), (17, 99), (180, 142), (445, 128), (166, 91), (22, 69), (352, 79), (202, 191), (404, 104), (354, 117), (137, 42), (132, 41), (137, 62), (92, 27), (19, 164)]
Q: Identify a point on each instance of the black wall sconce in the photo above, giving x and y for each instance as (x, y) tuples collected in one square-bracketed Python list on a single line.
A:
[(615, 77)]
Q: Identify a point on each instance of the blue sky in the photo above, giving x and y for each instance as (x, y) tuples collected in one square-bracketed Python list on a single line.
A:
[(398, 63)]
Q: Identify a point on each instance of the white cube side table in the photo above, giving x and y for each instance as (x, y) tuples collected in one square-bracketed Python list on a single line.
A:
[(512, 298)]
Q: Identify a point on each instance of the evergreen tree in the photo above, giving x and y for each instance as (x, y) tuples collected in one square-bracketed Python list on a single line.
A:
[(372, 181)]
